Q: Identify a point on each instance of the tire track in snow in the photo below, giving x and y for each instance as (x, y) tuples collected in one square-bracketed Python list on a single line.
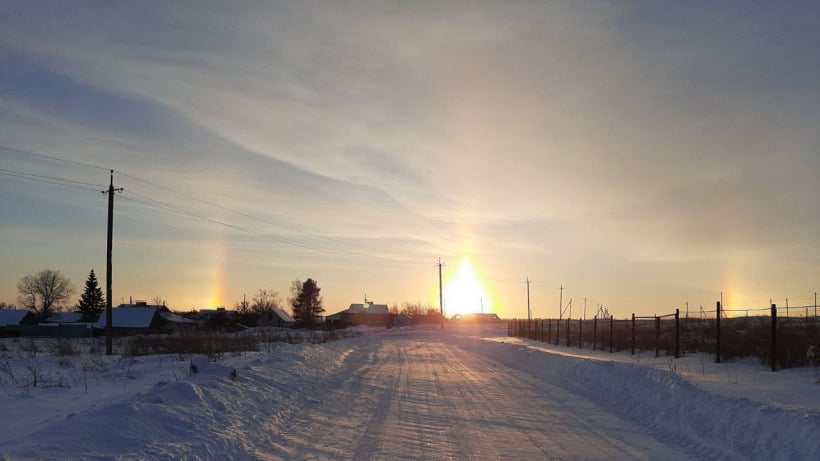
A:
[(416, 398)]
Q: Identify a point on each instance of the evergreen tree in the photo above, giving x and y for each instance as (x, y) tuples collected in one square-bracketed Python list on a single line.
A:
[(92, 301), (306, 302)]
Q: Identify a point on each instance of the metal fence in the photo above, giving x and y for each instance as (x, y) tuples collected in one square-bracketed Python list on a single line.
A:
[(777, 339)]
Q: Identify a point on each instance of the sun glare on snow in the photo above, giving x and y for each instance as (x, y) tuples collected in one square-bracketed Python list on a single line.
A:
[(464, 293)]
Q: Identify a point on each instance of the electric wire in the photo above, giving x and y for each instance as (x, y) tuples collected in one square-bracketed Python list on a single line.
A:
[(156, 204), (48, 157), (50, 180)]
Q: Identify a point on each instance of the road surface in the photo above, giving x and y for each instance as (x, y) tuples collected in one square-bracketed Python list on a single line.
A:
[(416, 397)]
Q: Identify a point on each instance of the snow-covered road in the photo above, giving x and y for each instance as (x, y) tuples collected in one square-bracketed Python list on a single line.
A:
[(412, 397), (403, 395)]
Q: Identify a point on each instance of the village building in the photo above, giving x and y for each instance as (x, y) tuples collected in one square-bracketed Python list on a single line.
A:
[(367, 313), (144, 318)]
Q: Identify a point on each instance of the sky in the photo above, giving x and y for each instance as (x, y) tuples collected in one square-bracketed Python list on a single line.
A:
[(641, 155)]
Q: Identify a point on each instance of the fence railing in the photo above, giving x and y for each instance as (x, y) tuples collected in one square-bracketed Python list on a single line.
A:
[(780, 342)]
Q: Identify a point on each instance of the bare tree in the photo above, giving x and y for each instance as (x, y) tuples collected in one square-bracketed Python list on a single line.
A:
[(265, 301), (157, 301), (414, 310), (4, 305), (48, 287)]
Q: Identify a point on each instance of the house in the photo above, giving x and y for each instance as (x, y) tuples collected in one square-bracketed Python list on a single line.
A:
[(276, 317), (132, 318), (14, 317), (221, 312), (14, 321), (143, 318), (366, 313), (65, 317), (282, 318), (174, 322)]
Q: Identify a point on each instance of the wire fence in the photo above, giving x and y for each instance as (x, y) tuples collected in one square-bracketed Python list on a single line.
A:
[(780, 338)]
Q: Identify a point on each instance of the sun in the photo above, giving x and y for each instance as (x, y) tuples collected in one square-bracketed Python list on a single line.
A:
[(464, 293)]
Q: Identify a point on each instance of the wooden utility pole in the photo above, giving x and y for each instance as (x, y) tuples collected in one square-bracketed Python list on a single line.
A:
[(440, 293), (561, 302), (529, 312), (108, 314)]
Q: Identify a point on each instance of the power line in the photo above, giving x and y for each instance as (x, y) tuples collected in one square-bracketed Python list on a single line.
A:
[(179, 211), (51, 180), (245, 215), (48, 157), (278, 238)]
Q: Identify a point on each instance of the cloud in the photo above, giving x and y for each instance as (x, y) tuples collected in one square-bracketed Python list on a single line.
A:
[(566, 134)]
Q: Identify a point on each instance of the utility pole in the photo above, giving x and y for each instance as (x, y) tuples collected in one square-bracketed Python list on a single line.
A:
[(561, 302), (529, 312), (108, 314), (440, 293)]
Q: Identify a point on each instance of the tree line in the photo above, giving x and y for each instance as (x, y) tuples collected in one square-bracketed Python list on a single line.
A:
[(48, 291)]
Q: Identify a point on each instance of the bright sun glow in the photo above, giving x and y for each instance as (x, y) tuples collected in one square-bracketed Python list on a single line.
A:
[(464, 293)]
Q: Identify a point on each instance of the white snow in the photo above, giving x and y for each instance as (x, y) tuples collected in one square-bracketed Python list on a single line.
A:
[(461, 393)]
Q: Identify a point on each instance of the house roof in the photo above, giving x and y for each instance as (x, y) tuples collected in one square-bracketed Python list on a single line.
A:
[(208, 313), (129, 316), (175, 318), (368, 308), (65, 317), (358, 308), (12, 316), (283, 316)]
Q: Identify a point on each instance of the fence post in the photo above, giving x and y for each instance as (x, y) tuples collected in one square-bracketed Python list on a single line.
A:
[(580, 331), (717, 342), (774, 338), (569, 326), (657, 336), (677, 333), (594, 331), (557, 332), (549, 331), (611, 331), (633, 333)]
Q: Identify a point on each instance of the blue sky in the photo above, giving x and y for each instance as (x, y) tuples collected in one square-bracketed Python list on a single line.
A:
[(641, 154)]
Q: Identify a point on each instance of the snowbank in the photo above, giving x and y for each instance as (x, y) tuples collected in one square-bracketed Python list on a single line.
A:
[(672, 407)]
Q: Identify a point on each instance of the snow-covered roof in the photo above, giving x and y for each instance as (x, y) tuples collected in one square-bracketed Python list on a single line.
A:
[(128, 316), (65, 317), (283, 316), (368, 308), (12, 316), (175, 318)]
